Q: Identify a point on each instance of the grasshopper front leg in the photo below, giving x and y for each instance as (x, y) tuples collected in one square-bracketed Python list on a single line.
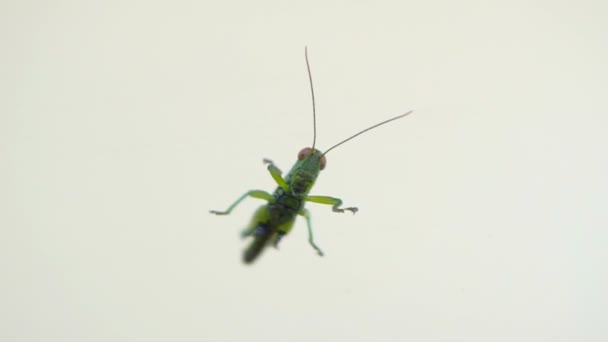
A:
[(334, 202), (251, 193), (275, 172)]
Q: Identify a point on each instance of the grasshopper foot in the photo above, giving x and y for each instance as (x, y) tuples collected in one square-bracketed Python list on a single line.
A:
[(319, 251), (270, 162), (218, 212), (341, 210)]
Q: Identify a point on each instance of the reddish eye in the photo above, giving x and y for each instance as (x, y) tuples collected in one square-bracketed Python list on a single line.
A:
[(305, 152)]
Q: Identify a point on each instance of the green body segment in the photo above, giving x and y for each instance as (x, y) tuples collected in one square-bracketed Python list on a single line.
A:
[(276, 218)]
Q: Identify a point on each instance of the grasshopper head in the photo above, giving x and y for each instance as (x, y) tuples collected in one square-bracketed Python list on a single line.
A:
[(312, 156), (310, 162)]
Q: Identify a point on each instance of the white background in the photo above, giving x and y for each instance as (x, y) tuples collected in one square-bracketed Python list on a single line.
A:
[(482, 215)]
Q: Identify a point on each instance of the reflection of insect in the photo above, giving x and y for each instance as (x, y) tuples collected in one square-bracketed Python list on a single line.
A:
[(276, 218)]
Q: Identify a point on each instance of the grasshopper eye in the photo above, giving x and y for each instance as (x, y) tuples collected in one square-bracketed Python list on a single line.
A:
[(304, 153)]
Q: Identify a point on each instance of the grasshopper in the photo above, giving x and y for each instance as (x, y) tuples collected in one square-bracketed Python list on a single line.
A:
[(276, 218)]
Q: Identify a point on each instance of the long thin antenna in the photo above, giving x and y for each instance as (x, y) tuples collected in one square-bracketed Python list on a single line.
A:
[(312, 92), (367, 129)]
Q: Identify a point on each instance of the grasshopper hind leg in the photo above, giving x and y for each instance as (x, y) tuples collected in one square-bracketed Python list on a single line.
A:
[(260, 240), (261, 233), (259, 218)]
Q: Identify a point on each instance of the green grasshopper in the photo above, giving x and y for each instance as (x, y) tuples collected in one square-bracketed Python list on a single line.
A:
[(276, 218)]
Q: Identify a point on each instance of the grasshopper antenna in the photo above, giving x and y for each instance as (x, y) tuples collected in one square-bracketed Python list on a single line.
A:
[(312, 92), (367, 129)]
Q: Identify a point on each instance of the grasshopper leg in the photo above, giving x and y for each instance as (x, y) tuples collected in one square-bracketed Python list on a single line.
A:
[(304, 212), (257, 224), (334, 202), (275, 172), (270, 162), (251, 193)]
